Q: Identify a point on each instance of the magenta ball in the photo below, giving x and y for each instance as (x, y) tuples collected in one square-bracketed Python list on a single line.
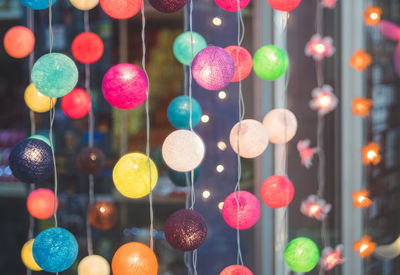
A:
[(249, 210), (277, 191), (231, 5), (236, 270), (213, 68), (125, 86)]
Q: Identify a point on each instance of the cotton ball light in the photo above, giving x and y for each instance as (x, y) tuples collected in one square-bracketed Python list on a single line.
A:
[(27, 257), (91, 160), (42, 138), (284, 5), (270, 62), (180, 178), (131, 175), (183, 49), (281, 125), (36, 4), (134, 258), (277, 191), (40, 203), (125, 86), (55, 249), (54, 74), (183, 150), (87, 47), (232, 5), (84, 5), (301, 255), (168, 6), (185, 230), (213, 68), (19, 42), (103, 215), (245, 63), (236, 270), (76, 104), (93, 265), (31, 161), (121, 9), (249, 210), (252, 138), (36, 101), (179, 112)]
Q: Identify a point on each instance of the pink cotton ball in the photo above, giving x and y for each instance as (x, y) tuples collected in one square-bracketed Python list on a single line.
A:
[(213, 68), (236, 270), (277, 191), (125, 86), (231, 5), (249, 210)]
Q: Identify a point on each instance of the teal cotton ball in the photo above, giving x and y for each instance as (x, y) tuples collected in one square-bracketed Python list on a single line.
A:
[(179, 112), (54, 74), (183, 49)]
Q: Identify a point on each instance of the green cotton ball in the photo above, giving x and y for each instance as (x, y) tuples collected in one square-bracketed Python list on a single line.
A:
[(270, 62), (183, 49), (301, 255), (54, 74)]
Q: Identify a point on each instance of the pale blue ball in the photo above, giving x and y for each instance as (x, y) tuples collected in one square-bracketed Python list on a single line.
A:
[(54, 74), (179, 112), (183, 49), (36, 4), (55, 249)]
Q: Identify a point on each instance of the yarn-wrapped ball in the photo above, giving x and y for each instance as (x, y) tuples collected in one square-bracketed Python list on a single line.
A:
[(19, 41), (236, 270), (91, 160), (76, 104), (281, 125), (270, 62), (36, 101), (87, 47), (103, 215), (245, 63), (40, 203), (31, 161), (183, 48), (121, 9), (284, 5), (84, 5), (36, 4), (27, 257), (168, 6), (213, 68), (55, 249), (185, 230), (301, 255), (232, 5), (179, 178), (179, 112), (277, 191), (93, 265)]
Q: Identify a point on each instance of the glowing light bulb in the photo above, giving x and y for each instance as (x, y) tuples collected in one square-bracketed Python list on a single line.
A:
[(370, 153), (364, 246), (222, 94), (361, 199), (314, 209), (206, 194), (318, 48), (217, 21), (324, 100), (221, 145), (205, 118), (220, 168), (220, 205)]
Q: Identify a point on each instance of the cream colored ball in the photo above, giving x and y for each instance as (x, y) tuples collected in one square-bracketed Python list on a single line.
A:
[(281, 125), (93, 265), (84, 5), (183, 150), (252, 136)]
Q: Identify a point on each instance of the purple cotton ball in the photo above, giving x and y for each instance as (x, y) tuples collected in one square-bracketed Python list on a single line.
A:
[(125, 86), (213, 68), (185, 230), (168, 6)]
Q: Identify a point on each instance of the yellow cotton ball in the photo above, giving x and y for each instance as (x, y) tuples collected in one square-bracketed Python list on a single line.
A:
[(37, 101), (131, 175), (84, 5), (94, 265), (27, 256)]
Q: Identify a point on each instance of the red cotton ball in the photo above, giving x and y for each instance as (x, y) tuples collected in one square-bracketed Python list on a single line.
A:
[(19, 41), (284, 5), (121, 9), (87, 47), (236, 270), (245, 62), (40, 203), (76, 104), (277, 191), (232, 5)]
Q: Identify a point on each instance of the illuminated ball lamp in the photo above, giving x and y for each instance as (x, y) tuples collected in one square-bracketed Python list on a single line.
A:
[(132, 173), (91, 160), (103, 215), (76, 104), (185, 230), (121, 9), (27, 257), (270, 62), (245, 63), (84, 5), (301, 255), (180, 178), (284, 5), (40, 203), (183, 150), (93, 265), (277, 191), (36, 101), (372, 15), (249, 210), (168, 6), (252, 138), (37, 4), (236, 270), (183, 49), (125, 86), (31, 161), (134, 258), (55, 249), (232, 5), (54, 74), (281, 125), (179, 112), (213, 68), (19, 42), (87, 47)]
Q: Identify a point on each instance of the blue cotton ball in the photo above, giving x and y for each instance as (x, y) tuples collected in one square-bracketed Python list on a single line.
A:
[(55, 249), (179, 112), (179, 178), (36, 4), (31, 161), (183, 46)]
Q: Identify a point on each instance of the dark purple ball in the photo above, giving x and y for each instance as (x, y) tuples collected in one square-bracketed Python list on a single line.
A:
[(185, 230), (31, 161), (91, 160), (168, 6)]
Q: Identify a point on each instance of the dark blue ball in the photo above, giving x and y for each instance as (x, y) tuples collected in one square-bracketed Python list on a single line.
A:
[(168, 6), (179, 178), (179, 112), (31, 161)]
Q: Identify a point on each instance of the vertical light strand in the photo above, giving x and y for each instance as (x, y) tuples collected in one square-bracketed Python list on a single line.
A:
[(123, 57)]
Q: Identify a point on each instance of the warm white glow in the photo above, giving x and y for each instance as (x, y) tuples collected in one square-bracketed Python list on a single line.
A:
[(361, 198), (102, 209), (371, 154), (363, 248), (324, 101), (205, 118), (318, 47), (217, 21), (220, 205), (206, 194), (373, 16), (222, 94), (314, 209), (220, 168), (221, 145)]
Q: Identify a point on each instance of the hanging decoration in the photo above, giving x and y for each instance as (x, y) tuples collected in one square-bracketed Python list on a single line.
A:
[(364, 247), (362, 106), (329, 4), (389, 251), (40, 203), (76, 104), (91, 160), (370, 154), (180, 178), (301, 255), (392, 31), (320, 47), (270, 62), (87, 47), (179, 112), (232, 5), (360, 60), (103, 215), (284, 5), (93, 265), (84, 5), (19, 42), (315, 207), (245, 62), (281, 125), (324, 100), (236, 270), (331, 257), (361, 199), (121, 9), (37, 4), (27, 257), (183, 48), (306, 153), (168, 6), (36, 101), (372, 15), (277, 191)]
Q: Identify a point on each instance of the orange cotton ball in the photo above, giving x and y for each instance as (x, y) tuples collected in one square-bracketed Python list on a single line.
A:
[(19, 41), (134, 258), (87, 47), (40, 203), (372, 15), (121, 9), (360, 60)]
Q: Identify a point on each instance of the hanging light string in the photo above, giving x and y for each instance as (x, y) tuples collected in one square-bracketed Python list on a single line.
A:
[(123, 57)]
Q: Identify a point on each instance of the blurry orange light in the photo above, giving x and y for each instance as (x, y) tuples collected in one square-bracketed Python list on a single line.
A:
[(364, 246), (372, 15), (370, 153), (362, 106), (360, 199)]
